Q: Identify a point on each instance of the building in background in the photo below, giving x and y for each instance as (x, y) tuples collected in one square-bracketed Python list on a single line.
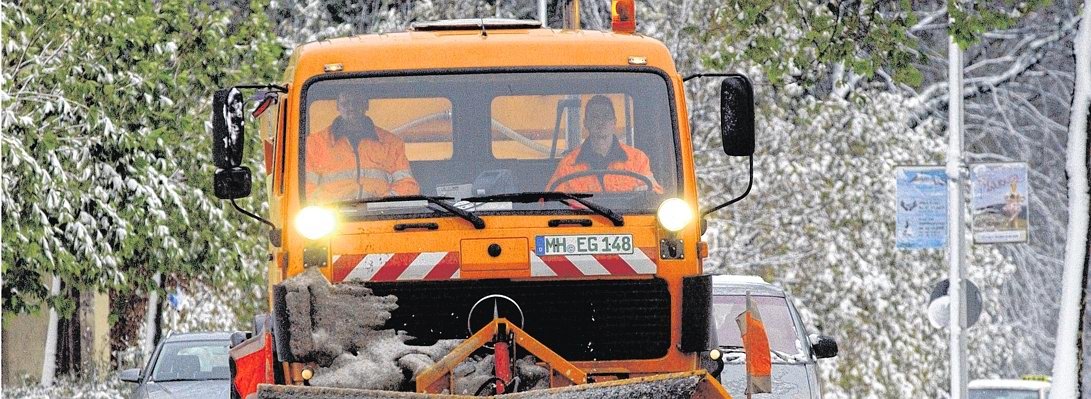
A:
[(83, 340)]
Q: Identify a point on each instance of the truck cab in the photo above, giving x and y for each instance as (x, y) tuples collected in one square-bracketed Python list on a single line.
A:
[(482, 182)]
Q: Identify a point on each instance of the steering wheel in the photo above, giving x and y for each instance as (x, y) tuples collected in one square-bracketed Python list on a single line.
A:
[(601, 174)]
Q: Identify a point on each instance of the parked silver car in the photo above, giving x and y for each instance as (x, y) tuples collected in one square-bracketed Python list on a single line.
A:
[(185, 366), (794, 352)]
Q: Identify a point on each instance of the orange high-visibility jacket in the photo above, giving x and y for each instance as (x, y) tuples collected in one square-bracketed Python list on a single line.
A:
[(377, 168), (620, 157)]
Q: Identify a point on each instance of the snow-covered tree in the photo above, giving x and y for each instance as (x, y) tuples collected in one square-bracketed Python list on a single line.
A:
[(1018, 92), (105, 145), (302, 21), (1066, 364), (1022, 50)]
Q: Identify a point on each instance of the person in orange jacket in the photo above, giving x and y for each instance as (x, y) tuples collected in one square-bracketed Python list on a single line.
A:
[(354, 159), (602, 151)]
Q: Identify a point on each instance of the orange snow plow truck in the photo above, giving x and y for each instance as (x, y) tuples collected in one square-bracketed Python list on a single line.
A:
[(479, 207)]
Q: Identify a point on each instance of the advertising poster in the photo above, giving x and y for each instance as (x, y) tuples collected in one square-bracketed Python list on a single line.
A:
[(921, 203), (1000, 199)]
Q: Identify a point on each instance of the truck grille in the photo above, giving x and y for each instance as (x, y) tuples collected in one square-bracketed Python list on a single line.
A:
[(580, 320)]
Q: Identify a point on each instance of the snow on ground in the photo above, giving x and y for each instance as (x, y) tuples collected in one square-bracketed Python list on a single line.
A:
[(63, 388)]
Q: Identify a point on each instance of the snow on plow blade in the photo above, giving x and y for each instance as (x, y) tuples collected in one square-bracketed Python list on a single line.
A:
[(686, 385)]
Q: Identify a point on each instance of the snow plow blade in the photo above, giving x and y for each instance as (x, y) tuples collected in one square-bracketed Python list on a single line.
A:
[(686, 385)]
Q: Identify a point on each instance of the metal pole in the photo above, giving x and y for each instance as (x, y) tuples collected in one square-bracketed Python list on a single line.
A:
[(746, 328), (49, 358), (572, 14), (956, 249), (542, 13)]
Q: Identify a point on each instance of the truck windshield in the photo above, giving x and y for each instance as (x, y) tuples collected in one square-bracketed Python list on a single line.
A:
[(610, 134)]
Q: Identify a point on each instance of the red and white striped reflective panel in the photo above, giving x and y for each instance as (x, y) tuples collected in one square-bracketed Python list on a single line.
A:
[(638, 262), (396, 267), (410, 266)]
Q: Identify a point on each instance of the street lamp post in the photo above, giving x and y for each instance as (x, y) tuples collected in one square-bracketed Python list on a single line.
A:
[(956, 248)]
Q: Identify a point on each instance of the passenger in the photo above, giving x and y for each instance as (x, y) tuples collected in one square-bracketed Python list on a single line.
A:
[(602, 151), (354, 159)]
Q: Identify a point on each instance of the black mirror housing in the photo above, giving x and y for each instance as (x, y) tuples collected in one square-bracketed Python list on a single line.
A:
[(130, 375), (737, 116), (824, 347), (232, 183), (238, 337), (227, 128)]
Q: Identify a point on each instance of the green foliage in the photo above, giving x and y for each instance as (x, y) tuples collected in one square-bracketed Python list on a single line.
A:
[(968, 25), (105, 143), (798, 41), (791, 39)]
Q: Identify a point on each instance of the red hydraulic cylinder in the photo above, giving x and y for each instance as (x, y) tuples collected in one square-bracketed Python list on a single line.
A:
[(503, 365)]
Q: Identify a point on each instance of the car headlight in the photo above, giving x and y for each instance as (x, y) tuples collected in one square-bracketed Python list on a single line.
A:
[(674, 214), (315, 222)]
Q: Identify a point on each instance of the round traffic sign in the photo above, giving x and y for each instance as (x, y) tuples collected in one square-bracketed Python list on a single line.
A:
[(939, 312)]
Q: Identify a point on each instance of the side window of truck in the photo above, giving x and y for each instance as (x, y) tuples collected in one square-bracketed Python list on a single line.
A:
[(268, 125)]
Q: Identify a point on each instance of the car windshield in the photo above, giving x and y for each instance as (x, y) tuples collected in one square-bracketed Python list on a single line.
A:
[(780, 327), (192, 361), (1000, 393), (610, 134)]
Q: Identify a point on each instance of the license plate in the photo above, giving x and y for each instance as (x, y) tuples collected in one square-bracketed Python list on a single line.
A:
[(591, 244)]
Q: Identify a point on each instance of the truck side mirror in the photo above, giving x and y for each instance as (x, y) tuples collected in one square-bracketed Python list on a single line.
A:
[(737, 116), (232, 180), (823, 346), (232, 183), (227, 128)]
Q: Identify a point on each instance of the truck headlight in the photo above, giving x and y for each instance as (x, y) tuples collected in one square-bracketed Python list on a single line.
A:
[(315, 222), (674, 214)]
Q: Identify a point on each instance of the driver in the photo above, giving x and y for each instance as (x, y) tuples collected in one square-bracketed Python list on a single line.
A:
[(354, 159), (602, 151)]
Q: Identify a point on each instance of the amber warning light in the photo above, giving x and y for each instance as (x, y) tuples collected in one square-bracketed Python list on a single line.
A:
[(623, 16)]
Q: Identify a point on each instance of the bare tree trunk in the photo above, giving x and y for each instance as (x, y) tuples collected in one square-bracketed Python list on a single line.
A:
[(1065, 366), (1085, 385), (69, 347), (49, 359), (150, 326), (126, 335)]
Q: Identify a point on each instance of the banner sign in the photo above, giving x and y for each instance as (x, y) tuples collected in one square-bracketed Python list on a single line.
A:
[(921, 203), (1001, 195)]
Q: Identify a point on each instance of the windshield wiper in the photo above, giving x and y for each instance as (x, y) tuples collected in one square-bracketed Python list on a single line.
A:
[(438, 201), (534, 196), (190, 379), (784, 357)]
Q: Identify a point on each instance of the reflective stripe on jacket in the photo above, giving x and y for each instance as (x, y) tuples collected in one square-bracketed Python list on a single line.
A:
[(332, 173), (634, 161)]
